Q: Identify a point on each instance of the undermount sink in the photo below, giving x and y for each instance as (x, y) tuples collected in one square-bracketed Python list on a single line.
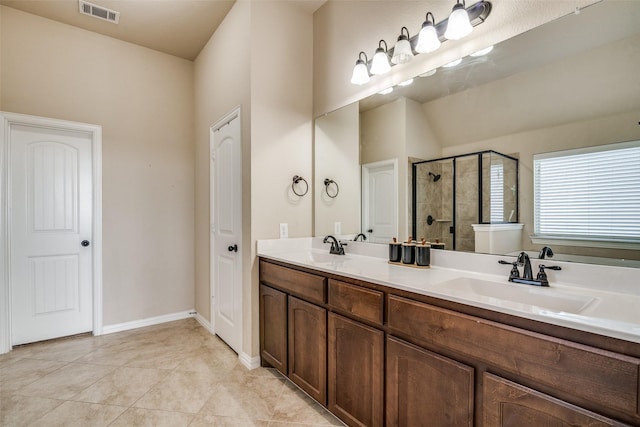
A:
[(326, 258), (514, 294)]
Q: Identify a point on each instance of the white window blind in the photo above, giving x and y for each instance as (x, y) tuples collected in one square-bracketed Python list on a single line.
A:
[(589, 194), (497, 193)]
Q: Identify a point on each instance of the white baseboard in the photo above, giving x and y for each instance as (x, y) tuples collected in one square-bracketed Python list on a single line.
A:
[(150, 321), (204, 323), (248, 361)]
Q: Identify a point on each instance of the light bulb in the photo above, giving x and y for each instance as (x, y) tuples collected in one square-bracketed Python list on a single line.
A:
[(458, 25), (360, 74), (380, 63), (402, 53), (428, 39)]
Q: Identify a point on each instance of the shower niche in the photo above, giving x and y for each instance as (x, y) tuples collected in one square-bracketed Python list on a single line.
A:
[(468, 202)]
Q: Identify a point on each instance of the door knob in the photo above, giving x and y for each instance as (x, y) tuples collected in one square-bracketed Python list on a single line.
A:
[(233, 248), (85, 243)]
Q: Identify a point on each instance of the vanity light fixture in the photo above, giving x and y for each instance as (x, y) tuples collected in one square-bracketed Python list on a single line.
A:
[(402, 52), (428, 40), (431, 36), (380, 63), (405, 83), (360, 72), (459, 25)]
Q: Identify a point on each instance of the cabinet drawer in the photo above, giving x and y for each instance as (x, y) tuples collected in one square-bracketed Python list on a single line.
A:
[(305, 285), (578, 372), (359, 301)]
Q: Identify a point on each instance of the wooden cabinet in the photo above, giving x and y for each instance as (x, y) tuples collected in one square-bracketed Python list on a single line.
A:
[(273, 328), (293, 332), (365, 304), (382, 356), (355, 372), (308, 348), (575, 372), (507, 404), (309, 287), (426, 389)]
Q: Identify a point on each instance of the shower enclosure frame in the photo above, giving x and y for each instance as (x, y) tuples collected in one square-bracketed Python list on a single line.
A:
[(479, 154)]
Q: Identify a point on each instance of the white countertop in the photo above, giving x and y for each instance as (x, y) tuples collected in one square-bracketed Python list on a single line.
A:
[(598, 299)]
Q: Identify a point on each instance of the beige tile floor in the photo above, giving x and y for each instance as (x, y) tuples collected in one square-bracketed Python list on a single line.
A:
[(174, 374)]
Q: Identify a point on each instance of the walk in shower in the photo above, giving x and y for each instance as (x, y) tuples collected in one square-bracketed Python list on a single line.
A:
[(453, 193)]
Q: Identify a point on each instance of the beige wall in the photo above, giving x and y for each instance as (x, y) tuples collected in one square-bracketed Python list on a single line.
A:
[(281, 130), (144, 101), (220, 86), (344, 28), (268, 72), (1, 10), (336, 151)]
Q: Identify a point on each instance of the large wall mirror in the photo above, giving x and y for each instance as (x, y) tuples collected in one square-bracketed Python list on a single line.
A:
[(568, 84)]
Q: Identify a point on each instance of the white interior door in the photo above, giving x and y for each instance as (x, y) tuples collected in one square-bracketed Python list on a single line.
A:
[(380, 201), (226, 228), (51, 225)]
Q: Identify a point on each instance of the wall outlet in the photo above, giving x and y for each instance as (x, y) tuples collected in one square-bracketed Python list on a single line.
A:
[(337, 228), (284, 230)]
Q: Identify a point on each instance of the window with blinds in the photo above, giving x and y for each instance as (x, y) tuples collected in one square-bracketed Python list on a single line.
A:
[(497, 193), (589, 194)]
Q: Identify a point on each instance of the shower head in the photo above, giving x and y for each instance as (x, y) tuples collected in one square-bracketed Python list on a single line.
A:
[(435, 177)]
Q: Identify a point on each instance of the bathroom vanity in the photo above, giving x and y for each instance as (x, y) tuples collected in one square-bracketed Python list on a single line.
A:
[(379, 353)]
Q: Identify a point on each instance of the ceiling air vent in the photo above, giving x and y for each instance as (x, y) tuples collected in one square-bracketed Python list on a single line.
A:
[(99, 12)]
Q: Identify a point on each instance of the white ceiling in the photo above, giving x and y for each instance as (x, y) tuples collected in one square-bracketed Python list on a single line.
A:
[(176, 27)]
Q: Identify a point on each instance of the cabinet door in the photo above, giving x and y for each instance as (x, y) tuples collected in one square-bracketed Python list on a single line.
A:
[(273, 328), (507, 404), (308, 348), (426, 389), (355, 372)]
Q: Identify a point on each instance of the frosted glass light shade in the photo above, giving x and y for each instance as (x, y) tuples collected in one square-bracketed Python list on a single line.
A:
[(428, 40), (458, 25), (360, 74), (402, 52), (380, 63)]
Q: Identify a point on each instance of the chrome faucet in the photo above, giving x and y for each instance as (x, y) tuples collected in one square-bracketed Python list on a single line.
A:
[(523, 260), (337, 248), (545, 252), (355, 239)]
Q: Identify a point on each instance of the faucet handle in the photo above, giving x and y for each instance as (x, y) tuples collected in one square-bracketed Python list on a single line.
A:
[(514, 273), (542, 275)]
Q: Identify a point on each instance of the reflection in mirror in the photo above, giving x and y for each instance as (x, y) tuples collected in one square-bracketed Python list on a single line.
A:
[(560, 86), (453, 195), (336, 153)]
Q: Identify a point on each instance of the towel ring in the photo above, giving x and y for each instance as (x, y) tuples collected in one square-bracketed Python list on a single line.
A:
[(327, 183), (296, 180)]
